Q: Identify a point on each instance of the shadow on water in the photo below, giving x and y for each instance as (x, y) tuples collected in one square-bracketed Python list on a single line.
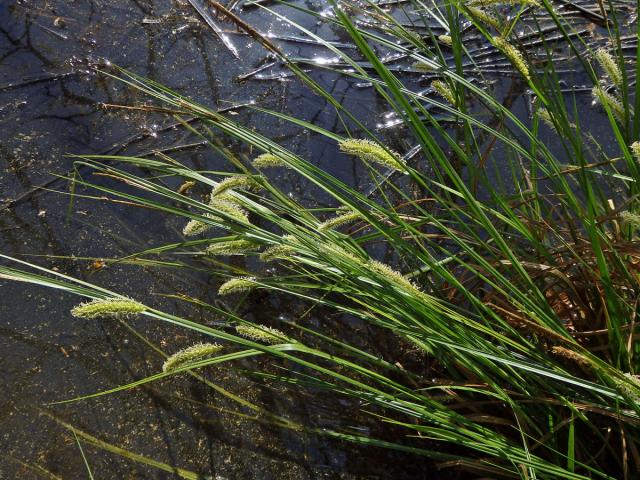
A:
[(52, 103)]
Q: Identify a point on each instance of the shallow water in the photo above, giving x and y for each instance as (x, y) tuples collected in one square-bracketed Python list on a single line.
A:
[(51, 105)]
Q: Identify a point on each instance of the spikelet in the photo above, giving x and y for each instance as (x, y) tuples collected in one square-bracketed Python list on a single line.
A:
[(232, 247), (108, 308), (545, 116), (262, 334), (195, 227), (191, 354), (279, 251), (484, 17), (445, 39), (237, 285), (236, 181), (606, 99), (635, 149), (423, 66), (630, 219), (444, 91), (268, 160), (339, 221), (609, 65), (630, 388), (395, 277), (567, 354), (224, 205), (371, 152), (514, 56)]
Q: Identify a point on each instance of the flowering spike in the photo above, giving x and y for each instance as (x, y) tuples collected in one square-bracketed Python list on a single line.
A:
[(237, 285), (609, 65), (604, 98), (195, 227), (372, 152), (109, 307), (444, 91), (445, 39), (263, 334), (191, 354), (236, 181), (231, 247), (339, 221), (635, 149), (484, 17), (268, 160), (630, 219), (514, 56), (229, 208)]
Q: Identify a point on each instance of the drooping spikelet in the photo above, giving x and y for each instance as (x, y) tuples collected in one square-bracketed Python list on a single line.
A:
[(339, 221), (194, 353), (229, 208), (237, 285), (604, 98), (446, 39), (108, 308), (571, 355), (484, 17), (514, 56), (236, 181), (262, 334), (268, 160), (279, 251), (629, 388), (444, 91), (609, 65), (195, 227), (635, 150), (231, 247), (394, 277), (371, 152), (545, 116)]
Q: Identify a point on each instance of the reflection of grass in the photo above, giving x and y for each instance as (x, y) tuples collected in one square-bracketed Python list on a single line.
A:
[(522, 291)]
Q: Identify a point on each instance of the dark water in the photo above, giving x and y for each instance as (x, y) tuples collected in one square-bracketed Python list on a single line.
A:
[(51, 105)]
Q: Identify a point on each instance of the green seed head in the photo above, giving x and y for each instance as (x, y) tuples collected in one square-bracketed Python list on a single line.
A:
[(194, 353), (606, 99), (484, 17), (268, 160), (195, 227), (237, 181), (446, 39), (635, 150), (263, 334), (514, 56), (444, 91), (339, 221), (232, 247), (237, 285), (372, 152), (108, 308), (609, 65)]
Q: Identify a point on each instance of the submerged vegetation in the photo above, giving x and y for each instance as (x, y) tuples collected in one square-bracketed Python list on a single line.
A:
[(503, 265)]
